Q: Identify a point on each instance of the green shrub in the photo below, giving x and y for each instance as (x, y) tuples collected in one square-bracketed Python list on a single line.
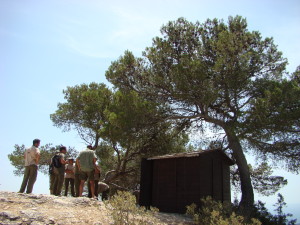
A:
[(124, 210), (216, 213), (281, 218)]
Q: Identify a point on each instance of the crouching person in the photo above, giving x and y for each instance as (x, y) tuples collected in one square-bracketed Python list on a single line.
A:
[(103, 188)]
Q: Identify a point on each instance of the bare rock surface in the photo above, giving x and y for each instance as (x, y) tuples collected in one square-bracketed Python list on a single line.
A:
[(38, 209)]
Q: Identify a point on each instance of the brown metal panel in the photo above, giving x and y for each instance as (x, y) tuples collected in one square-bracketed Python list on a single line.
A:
[(180, 181), (181, 184), (217, 179), (193, 179), (146, 183), (226, 183), (197, 181), (164, 185)]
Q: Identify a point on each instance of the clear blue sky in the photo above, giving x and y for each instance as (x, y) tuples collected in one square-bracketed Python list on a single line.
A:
[(46, 46)]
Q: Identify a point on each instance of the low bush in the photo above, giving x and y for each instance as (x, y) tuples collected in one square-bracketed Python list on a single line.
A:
[(281, 218), (125, 211), (216, 213)]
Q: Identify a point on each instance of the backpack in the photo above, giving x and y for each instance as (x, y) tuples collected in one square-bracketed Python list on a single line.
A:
[(51, 169), (56, 161)]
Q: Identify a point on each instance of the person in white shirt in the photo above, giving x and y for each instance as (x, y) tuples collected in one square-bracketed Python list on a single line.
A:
[(32, 157)]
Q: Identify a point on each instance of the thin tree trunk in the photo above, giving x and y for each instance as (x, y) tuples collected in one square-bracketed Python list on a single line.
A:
[(247, 200)]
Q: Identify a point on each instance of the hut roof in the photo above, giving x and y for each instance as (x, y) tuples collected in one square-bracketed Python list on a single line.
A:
[(193, 154)]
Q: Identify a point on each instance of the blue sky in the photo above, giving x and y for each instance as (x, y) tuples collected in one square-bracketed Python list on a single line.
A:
[(46, 46)]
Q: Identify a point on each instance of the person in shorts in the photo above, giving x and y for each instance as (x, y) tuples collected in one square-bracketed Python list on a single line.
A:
[(87, 164), (96, 180)]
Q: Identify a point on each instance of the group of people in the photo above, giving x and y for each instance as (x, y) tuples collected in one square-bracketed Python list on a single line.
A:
[(72, 173)]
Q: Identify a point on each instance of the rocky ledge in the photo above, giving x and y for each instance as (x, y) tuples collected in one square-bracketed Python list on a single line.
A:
[(35, 209)]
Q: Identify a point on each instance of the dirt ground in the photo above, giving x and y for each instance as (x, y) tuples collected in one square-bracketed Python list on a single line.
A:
[(17, 208)]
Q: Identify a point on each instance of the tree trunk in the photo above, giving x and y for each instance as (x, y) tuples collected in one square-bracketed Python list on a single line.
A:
[(247, 201)]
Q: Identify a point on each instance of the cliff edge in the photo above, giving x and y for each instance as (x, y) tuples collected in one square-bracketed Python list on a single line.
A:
[(35, 209)]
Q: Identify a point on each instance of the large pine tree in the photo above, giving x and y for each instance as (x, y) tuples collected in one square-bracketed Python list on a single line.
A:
[(225, 75)]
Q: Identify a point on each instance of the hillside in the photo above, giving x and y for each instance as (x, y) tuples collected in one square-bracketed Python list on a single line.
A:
[(16, 208)]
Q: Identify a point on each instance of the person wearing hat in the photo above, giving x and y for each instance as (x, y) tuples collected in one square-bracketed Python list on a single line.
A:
[(69, 177)]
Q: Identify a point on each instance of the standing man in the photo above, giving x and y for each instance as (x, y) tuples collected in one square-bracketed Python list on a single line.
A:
[(59, 170), (87, 164), (32, 157), (51, 174)]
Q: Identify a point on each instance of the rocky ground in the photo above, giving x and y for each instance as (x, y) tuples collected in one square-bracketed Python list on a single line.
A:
[(16, 208)]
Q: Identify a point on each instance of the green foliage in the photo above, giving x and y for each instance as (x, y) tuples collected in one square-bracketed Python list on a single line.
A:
[(216, 213), (106, 155), (16, 158), (138, 125), (225, 75), (125, 211), (122, 125), (135, 129), (272, 125), (83, 110), (296, 76), (262, 179), (281, 217), (267, 218)]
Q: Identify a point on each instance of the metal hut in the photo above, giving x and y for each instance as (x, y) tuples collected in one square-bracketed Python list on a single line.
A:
[(171, 182)]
